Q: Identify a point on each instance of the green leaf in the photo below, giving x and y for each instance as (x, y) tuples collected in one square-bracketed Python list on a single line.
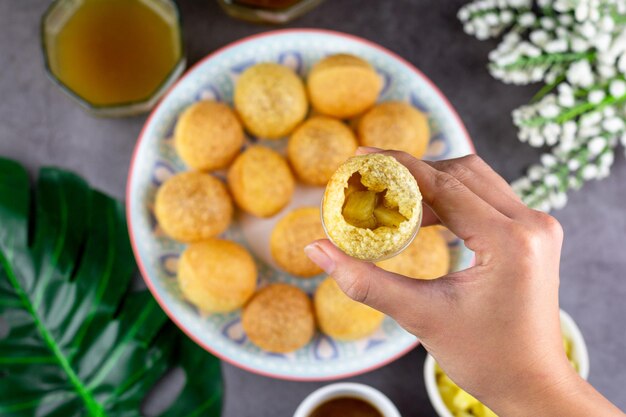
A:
[(79, 342)]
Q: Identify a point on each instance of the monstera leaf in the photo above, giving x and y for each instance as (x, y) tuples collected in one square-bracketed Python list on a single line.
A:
[(79, 341)]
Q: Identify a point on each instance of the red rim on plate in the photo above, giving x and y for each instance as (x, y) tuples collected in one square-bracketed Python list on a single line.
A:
[(140, 264)]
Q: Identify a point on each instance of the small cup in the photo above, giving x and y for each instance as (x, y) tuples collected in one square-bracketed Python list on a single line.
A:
[(347, 389), (569, 329)]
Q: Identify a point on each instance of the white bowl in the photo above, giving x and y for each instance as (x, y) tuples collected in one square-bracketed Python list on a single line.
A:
[(347, 389), (568, 328)]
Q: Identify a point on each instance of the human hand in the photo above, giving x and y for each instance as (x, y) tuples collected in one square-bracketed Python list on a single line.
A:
[(493, 328)]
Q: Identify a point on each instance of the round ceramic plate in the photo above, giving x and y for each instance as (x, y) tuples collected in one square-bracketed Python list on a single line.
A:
[(155, 160)]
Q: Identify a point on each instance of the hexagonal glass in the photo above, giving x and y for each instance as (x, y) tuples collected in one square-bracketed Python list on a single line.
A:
[(58, 14)]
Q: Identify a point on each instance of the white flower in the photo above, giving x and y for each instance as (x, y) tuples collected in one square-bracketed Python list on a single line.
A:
[(566, 145), (556, 46), (535, 172), (551, 140), (552, 130), (521, 77), (608, 111), (607, 158), (590, 119), (537, 73), (596, 145), (527, 19), (573, 164), (617, 88), (579, 44), (566, 19), (529, 49), (491, 19), (587, 29), (569, 128), (606, 71), (463, 14), (594, 14), (603, 172), (552, 75), (506, 17), (580, 73), (497, 72), (539, 37), (548, 160), (551, 180), (519, 4), (547, 23), (596, 96), (582, 11), (566, 100), (589, 131), (511, 38), (507, 59), (618, 46), (602, 42), (562, 32), (613, 124), (549, 111), (590, 172), (482, 32), (558, 200), (607, 24), (574, 182), (536, 140)]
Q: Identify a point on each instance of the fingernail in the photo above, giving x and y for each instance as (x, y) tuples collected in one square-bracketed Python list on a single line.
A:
[(320, 258), (361, 150)]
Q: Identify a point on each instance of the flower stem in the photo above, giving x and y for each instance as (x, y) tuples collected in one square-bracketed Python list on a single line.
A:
[(547, 88)]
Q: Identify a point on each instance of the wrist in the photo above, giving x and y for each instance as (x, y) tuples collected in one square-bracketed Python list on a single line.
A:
[(539, 392), (550, 394)]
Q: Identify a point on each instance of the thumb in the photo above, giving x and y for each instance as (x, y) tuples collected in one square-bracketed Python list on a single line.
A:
[(410, 302)]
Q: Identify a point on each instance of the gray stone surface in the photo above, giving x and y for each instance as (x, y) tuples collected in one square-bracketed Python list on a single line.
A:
[(39, 126)]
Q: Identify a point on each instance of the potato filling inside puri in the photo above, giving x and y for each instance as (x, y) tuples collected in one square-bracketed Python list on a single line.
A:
[(369, 209)]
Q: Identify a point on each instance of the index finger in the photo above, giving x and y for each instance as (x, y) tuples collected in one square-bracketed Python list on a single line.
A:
[(459, 209)]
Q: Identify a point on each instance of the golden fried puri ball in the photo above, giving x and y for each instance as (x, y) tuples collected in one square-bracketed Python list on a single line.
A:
[(270, 100), (427, 257), (217, 276), (193, 206), (371, 207), (279, 318), (208, 135), (343, 86), (289, 237), (395, 125), (317, 148), (261, 181), (341, 317)]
